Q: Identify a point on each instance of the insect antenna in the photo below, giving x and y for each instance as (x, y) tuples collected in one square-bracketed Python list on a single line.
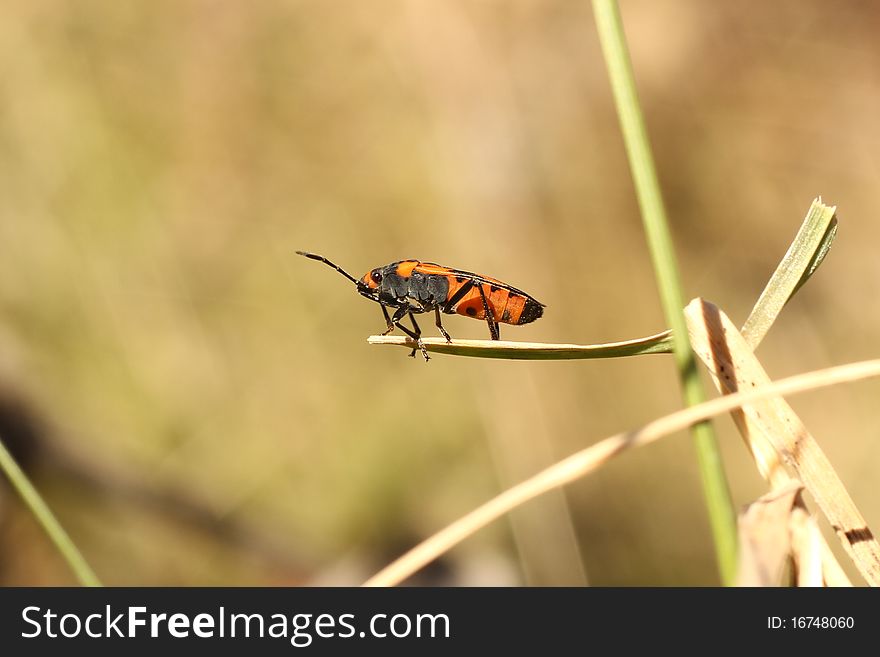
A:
[(314, 256)]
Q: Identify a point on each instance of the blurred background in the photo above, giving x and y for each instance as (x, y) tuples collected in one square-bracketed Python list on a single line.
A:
[(199, 405)]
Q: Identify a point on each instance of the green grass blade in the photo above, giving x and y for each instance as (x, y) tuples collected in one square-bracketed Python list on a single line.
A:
[(722, 515), (654, 344), (47, 519), (809, 248)]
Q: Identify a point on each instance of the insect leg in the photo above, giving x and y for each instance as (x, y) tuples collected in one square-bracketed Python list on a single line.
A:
[(439, 325), (490, 319), (399, 314), (418, 337), (388, 325)]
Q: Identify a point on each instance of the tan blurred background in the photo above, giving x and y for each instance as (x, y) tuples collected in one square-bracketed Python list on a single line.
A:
[(200, 406)]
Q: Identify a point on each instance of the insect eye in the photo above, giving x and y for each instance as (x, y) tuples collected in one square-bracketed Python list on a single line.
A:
[(376, 276)]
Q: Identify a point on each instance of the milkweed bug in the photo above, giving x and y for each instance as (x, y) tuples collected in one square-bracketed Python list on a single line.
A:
[(412, 287)]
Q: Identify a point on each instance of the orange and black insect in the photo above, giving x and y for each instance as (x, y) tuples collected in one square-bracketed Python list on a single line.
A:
[(412, 287)]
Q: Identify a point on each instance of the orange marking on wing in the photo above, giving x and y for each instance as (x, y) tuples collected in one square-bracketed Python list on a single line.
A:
[(431, 268), (498, 301), (515, 305), (405, 268), (471, 306), (454, 286), (472, 303)]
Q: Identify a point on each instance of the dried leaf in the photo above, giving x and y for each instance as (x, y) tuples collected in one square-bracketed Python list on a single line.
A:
[(776, 436), (765, 538)]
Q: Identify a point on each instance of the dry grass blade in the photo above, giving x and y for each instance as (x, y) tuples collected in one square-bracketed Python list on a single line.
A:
[(776, 436), (806, 548), (764, 537), (653, 344), (585, 461)]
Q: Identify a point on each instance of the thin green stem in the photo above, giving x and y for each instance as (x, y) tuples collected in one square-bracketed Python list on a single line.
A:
[(47, 519), (722, 515)]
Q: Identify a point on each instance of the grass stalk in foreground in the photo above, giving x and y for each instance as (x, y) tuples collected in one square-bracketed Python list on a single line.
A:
[(722, 515), (777, 438), (47, 519), (590, 458)]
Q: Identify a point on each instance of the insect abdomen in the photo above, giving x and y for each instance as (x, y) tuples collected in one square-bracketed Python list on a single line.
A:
[(506, 306), (531, 311)]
